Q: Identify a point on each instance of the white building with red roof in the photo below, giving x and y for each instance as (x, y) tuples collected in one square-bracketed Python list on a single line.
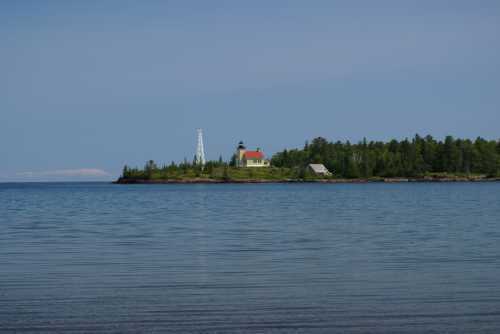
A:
[(246, 158)]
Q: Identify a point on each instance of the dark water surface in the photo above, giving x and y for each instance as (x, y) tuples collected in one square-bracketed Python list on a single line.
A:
[(351, 258)]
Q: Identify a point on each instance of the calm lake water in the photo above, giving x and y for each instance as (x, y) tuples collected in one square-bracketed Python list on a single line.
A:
[(310, 258)]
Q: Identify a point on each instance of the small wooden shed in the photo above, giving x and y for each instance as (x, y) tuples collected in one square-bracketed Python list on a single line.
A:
[(319, 169)]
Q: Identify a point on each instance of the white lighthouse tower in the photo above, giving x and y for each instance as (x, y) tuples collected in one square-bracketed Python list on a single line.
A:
[(200, 149)]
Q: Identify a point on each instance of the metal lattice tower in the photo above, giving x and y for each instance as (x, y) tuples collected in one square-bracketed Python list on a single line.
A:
[(200, 150)]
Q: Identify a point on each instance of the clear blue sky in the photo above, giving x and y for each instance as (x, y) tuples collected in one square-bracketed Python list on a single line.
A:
[(97, 84)]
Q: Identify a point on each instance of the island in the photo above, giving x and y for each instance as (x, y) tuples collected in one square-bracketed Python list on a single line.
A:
[(421, 159)]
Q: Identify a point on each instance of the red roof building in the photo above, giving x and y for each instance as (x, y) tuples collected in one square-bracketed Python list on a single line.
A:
[(246, 158), (256, 155)]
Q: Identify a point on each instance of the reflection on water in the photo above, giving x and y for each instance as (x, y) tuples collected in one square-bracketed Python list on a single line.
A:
[(373, 258)]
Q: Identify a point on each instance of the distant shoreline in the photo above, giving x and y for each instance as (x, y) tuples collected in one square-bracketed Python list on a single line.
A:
[(323, 181)]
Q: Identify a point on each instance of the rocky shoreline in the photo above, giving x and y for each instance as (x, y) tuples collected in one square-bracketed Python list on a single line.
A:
[(253, 181)]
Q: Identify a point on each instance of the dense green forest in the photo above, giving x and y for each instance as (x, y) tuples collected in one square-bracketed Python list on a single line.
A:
[(420, 156), (407, 158)]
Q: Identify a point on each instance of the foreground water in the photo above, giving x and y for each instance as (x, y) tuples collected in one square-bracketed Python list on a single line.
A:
[(311, 258)]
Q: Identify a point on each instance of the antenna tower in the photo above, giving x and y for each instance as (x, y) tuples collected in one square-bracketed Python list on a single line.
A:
[(200, 150)]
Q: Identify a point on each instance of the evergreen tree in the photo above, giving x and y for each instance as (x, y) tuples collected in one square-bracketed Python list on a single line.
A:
[(125, 172), (150, 168), (232, 163)]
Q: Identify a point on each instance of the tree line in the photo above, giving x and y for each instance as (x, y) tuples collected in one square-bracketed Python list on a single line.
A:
[(417, 157), (173, 170), (406, 158)]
